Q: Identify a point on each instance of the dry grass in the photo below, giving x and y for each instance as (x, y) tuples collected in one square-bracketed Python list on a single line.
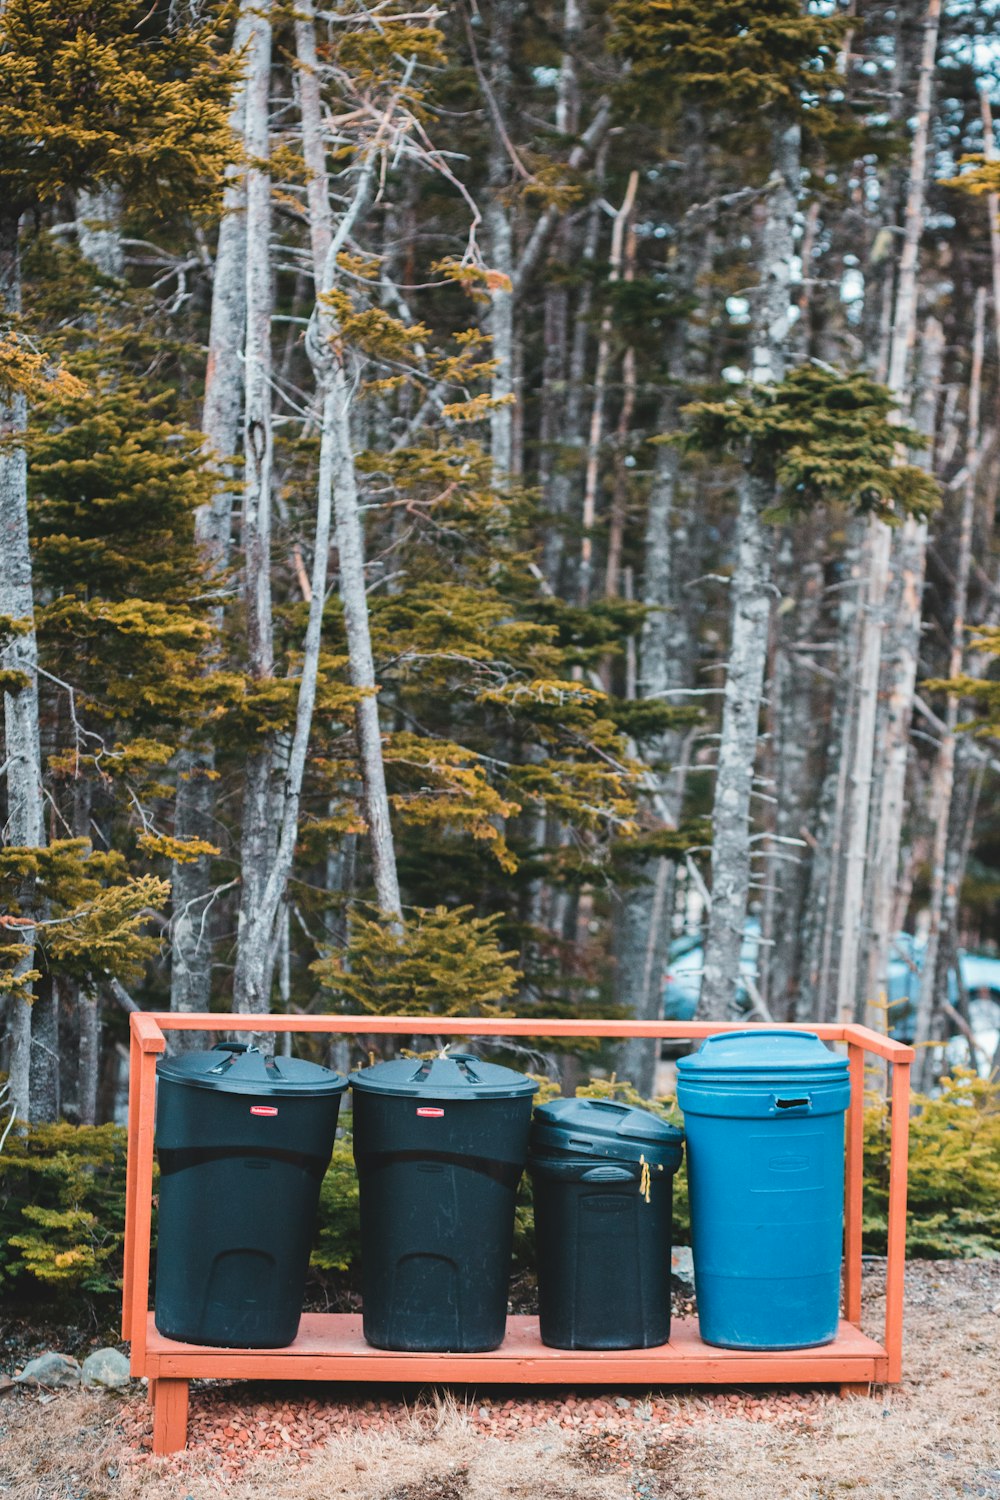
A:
[(935, 1437)]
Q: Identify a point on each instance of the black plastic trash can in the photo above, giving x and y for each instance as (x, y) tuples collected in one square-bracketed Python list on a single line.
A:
[(243, 1140), (440, 1146), (602, 1176)]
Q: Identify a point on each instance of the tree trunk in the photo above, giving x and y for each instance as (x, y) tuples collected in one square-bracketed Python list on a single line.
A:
[(338, 476), (98, 229), (496, 220), (45, 1057), (25, 825), (194, 808), (817, 993), (731, 847), (794, 713), (254, 936), (596, 430), (750, 591), (900, 650), (934, 973), (89, 1065), (569, 423), (879, 552)]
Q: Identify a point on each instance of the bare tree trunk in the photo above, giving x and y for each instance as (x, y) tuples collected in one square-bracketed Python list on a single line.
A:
[(823, 906), (350, 547), (750, 591), (194, 807), (878, 550), (596, 431), (496, 219), (794, 714), (45, 1101), (25, 825), (900, 651), (338, 477), (619, 493), (642, 922), (254, 937), (992, 207), (89, 1056), (944, 771), (565, 478), (98, 229)]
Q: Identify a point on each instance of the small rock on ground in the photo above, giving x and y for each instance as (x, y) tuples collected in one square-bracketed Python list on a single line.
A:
[(51, 1370), (107, 1368)]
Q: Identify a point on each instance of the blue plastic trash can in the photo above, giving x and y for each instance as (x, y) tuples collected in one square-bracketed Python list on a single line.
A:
[(764, 1119)]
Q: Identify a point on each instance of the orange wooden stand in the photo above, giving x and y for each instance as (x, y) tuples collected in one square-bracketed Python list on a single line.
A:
[(330, 1346)]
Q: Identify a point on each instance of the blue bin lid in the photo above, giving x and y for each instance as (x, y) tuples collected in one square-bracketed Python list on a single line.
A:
[(762, 1056), (459, 1075), (234, 1068)]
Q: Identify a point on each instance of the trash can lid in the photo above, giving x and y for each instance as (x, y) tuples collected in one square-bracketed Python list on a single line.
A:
[(457, 1075), (759, 1056), (236, 1068), (602, 1127)]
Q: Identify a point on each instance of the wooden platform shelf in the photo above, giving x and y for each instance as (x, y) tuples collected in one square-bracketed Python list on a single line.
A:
[(330, 1346)]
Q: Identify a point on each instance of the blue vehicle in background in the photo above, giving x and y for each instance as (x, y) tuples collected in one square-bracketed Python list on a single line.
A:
[(980, 980)]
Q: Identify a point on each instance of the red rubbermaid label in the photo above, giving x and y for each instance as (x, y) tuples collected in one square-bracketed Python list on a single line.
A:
[(428, 1113), (263, 1109)]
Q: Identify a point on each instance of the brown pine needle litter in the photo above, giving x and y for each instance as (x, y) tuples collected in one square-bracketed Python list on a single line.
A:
[(936, 1436)]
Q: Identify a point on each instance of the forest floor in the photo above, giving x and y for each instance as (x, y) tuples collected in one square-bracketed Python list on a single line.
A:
[(934, 1437)]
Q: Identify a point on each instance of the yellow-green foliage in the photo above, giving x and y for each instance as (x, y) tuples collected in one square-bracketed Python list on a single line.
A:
[(444, 963), (62, 1207), (94, 90), (820, 435), (338, 1239), (95, 911), (954, 1171), (751, 55)]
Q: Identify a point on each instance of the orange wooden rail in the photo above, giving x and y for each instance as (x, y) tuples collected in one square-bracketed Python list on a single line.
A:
[(330, 1346)]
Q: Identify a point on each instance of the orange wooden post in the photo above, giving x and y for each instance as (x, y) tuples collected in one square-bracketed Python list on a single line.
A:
[(170, 1415), (150, 1040), (895, 1269), (854, 1186), (134, 1059)]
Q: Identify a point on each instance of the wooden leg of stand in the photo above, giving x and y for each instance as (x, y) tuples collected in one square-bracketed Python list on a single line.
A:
[(862, 1389), (170, 1415)]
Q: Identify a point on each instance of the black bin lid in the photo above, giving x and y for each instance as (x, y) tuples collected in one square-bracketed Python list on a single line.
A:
[(603, 1128), (456, 1075), (235, 1068)]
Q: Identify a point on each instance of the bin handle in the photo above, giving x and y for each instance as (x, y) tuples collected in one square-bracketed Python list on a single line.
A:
[(800, 1103), (622, 1109), (608, 1174)]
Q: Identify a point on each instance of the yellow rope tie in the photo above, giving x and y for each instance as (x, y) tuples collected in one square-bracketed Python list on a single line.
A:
[(644, 1178)]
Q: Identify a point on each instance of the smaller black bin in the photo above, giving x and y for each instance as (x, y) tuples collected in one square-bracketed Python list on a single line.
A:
[(440, 1148), (243, 1140), (602, 1177)]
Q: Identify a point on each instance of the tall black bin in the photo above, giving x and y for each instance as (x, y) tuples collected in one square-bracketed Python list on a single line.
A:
[(440, 1147), (602, 1177), (243, 1140)]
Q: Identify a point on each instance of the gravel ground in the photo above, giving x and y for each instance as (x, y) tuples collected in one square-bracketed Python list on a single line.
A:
[(936, 1436)]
